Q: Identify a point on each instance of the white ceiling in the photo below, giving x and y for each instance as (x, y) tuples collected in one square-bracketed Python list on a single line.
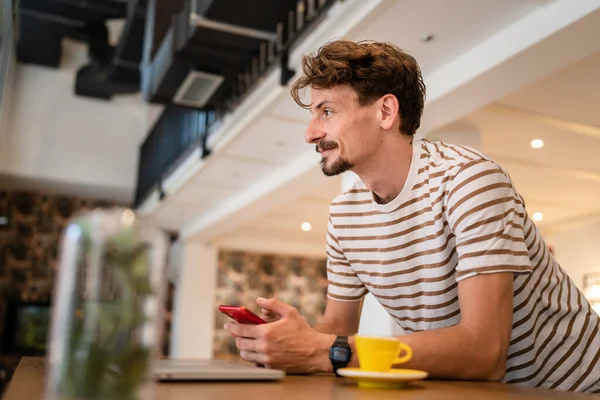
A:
[(571, 94), (456, 26), (270, 140)]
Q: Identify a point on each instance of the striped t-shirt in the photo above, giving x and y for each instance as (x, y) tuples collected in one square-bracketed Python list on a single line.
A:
[(459, 215)]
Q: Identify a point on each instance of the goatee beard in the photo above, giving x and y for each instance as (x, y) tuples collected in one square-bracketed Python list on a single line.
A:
[(338, 167)]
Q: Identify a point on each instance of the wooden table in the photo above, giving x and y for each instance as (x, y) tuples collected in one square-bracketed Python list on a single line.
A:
[(29, 379)]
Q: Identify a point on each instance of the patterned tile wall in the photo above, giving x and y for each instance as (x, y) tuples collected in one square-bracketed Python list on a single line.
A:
[(242, 277), (29, 240)]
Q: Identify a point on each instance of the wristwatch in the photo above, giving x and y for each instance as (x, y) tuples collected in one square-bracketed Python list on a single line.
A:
[(340, 353)]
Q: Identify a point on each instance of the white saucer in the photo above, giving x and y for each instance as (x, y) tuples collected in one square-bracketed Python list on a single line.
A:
[(394, 378)]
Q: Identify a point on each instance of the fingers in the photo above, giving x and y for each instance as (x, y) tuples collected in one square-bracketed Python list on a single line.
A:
[(275, 306), (257, 358), (251, 345), (269, 316), (242, 330), (253, 350)]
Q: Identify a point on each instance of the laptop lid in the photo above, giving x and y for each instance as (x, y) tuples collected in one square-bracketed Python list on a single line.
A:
[(212, 370)]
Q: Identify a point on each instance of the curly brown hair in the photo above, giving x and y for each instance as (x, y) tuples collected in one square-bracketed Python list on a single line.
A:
[(372, 69)]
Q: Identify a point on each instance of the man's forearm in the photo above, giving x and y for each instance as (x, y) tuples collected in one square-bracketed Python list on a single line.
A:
[(323, 327), (448, 353), (455, 353), (335, 328)]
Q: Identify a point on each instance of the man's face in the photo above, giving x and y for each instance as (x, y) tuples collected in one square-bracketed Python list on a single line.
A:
[(344, 133)]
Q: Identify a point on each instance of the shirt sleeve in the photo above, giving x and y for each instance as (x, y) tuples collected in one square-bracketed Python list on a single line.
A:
[(487, 217), (344, 284)]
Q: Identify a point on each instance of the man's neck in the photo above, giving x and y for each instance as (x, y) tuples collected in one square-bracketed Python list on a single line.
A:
[(386, 174)]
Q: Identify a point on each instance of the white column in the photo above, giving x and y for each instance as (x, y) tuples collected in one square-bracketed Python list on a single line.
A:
[(193, 269), (374, 319)]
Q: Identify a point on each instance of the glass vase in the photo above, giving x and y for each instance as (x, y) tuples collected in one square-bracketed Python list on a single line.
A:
[(107, 308)]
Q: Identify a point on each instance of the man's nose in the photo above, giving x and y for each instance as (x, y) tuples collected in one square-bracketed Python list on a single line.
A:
[(313, 133)]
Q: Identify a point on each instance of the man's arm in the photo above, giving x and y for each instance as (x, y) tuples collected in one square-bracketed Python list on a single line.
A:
[(476, 348), (340, 318)]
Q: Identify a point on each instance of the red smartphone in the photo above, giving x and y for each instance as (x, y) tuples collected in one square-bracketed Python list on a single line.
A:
[(242, 315)]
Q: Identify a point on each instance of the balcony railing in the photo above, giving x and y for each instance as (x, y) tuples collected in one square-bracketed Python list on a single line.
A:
[(180, 130), (176, 133)]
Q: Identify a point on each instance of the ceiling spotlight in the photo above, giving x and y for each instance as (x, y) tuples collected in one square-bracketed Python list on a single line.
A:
[(537, 143), (538, 216), (306, 226)]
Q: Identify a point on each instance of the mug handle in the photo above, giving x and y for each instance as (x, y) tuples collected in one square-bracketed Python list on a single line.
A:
[(406, 357)]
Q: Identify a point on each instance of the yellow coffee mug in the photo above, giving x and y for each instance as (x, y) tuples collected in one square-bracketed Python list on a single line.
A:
[(380, 353)]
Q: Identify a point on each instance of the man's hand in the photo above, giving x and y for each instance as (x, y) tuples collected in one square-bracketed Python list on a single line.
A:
[(269, 316), (289, 343)]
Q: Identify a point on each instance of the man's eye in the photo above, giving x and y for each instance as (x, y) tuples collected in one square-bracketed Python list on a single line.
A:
[(328, 113)]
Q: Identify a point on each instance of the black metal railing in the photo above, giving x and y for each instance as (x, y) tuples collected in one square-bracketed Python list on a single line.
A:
[(180, 130), (176, 133)]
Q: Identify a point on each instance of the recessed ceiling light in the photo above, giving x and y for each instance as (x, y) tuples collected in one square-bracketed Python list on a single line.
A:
[(537, 143), (538, 216), (306, 226)]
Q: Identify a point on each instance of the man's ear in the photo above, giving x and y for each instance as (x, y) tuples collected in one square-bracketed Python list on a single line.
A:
[(389, 111)]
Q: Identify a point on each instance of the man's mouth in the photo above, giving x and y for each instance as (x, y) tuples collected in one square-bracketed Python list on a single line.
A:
[(325, 148)]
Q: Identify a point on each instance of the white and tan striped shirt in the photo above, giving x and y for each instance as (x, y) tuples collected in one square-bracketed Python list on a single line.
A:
[(459, 215)]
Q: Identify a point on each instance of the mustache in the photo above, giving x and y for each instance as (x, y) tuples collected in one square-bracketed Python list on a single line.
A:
[(325, 145)]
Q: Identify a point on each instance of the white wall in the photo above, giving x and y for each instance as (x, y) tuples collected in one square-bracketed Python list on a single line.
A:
[(57, 136), (576, 247)]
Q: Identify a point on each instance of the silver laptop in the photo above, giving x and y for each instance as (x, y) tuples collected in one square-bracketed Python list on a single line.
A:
[(212, 370)]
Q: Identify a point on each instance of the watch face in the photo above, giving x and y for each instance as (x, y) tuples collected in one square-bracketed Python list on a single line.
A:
[(339, 353)]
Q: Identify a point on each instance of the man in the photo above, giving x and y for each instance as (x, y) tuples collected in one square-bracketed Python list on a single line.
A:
[(436, 232)]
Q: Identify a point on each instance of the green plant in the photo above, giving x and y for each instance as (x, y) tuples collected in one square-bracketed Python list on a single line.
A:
[(105, 356)]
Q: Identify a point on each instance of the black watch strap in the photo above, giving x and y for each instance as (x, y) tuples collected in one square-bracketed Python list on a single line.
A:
[(340, 353), (343, 340)]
